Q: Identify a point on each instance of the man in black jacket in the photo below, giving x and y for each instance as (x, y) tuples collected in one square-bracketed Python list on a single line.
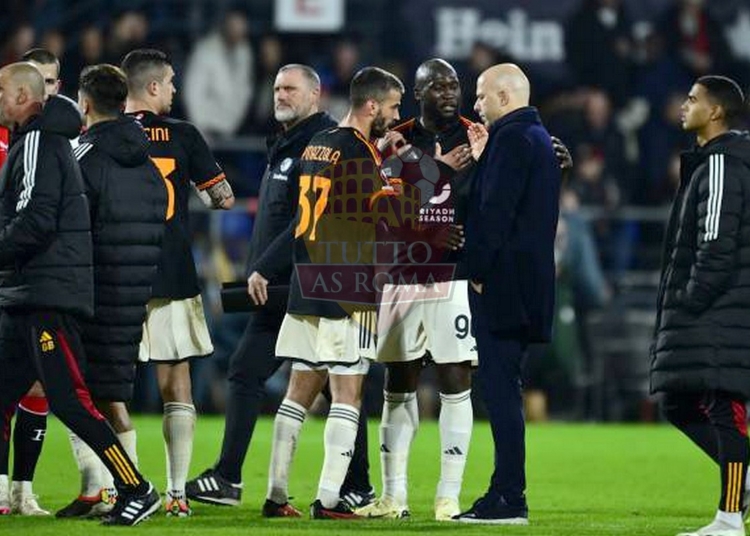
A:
[(510, 235), (700, 358), (128, 205), (45, 250), (31, 415), (296, 100)]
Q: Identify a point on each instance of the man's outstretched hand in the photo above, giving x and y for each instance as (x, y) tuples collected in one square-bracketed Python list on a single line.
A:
[(478, 136)]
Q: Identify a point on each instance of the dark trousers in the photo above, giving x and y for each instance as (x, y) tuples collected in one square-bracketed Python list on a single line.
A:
[(499, 377), (251, 364), (46, 345), (716, 421)]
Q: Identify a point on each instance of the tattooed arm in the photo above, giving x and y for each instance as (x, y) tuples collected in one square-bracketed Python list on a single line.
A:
[(219, 195)]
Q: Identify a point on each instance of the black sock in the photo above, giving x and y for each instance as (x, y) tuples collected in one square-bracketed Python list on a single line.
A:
[(28, 439)]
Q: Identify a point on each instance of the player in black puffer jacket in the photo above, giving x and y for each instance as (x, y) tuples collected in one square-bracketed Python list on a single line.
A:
[(701, 353), (128, 204)]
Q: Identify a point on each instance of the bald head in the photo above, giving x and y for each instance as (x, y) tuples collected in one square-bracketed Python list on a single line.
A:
[(501, 89), (26, 75), (21, 93), (437, 90), (430, 70)]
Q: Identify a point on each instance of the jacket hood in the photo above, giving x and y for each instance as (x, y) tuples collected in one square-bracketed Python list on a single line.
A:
[(123, 139), (734, 143), (60, 115)]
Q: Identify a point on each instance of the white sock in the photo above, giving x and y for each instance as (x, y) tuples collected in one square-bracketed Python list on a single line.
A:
[(339, 438), (733, 519), (178, 428), (456, 422), (128, 441), (286, 428), (397, 429), (94, 474), (22, 488)]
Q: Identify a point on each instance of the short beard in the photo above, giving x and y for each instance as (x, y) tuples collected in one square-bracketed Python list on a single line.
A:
[(285, 115), (378, 127)]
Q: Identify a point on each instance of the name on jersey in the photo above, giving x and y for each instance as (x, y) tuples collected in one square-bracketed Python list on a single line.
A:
[(321, 153), (437, 215), (157, 133)]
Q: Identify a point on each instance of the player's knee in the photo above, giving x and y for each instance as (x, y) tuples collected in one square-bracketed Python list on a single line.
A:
[(346, 390), (454, 378), (36, 390), (402, 377)]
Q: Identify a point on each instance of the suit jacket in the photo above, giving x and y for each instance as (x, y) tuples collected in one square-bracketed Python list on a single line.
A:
[(511, 226)]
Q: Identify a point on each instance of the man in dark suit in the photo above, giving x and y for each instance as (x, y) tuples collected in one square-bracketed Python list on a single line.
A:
[(510, 238)]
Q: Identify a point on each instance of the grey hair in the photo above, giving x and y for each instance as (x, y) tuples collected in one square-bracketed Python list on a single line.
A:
[(308, 72)]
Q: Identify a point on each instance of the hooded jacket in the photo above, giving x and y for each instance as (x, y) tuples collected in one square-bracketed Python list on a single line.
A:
[(45, 233), (279, 196), (702, 335), (128, 204)]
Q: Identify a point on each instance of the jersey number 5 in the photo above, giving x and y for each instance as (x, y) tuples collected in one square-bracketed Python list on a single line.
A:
[(166, 166), (306, 214)]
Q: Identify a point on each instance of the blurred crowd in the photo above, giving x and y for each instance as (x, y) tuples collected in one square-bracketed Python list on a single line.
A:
[(617, 109)]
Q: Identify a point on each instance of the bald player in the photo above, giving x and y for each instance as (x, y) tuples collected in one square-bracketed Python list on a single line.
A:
[(31, 415), (46, 254), (510, 235)]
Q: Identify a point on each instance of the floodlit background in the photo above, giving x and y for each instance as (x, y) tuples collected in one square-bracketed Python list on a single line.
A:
[(608, 76)]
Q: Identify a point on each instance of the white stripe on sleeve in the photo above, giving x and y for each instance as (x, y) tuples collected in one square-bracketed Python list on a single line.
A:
[(30, 155), (715, 196)]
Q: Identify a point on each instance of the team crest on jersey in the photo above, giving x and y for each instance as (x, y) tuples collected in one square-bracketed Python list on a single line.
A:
[(46, 342), (285, 165)]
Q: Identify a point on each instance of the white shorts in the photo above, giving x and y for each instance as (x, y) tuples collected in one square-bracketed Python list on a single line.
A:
[(361, 368), (332, 343), (174, 330), (408, 329)]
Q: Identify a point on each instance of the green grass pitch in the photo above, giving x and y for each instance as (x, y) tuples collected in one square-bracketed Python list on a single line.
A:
[(582, 480)]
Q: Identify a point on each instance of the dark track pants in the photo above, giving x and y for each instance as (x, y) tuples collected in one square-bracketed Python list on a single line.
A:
[(716, 421), (46, 345)]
